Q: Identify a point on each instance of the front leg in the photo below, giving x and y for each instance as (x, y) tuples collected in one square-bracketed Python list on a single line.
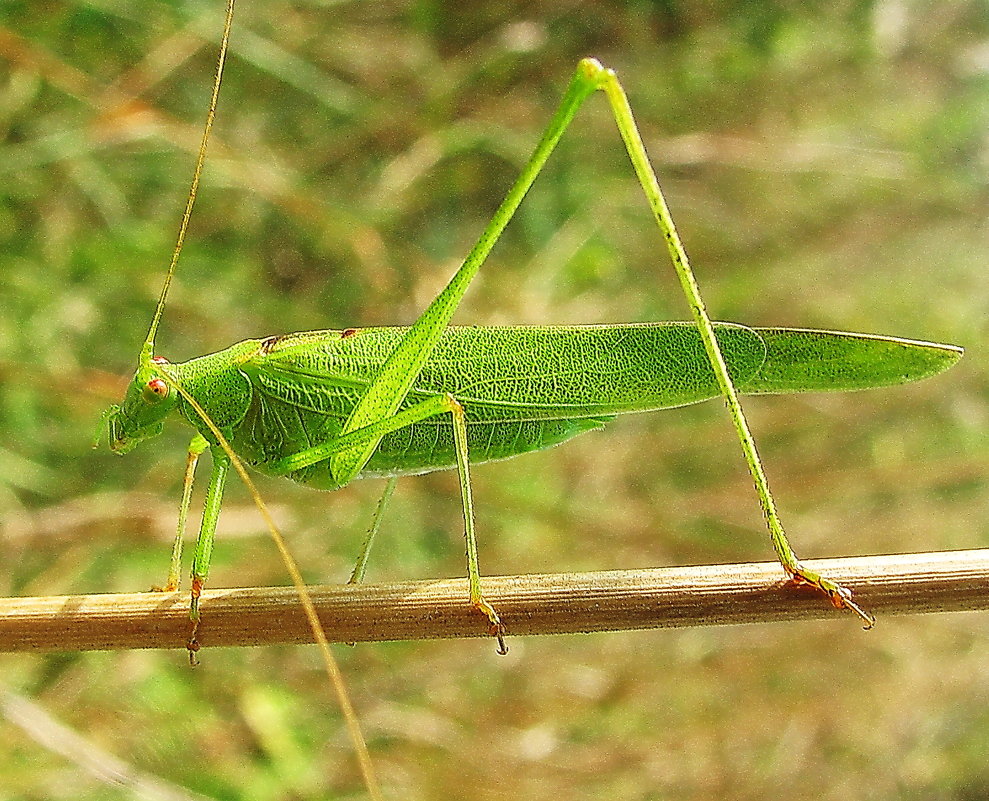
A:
[(204, 544), (196, 448)]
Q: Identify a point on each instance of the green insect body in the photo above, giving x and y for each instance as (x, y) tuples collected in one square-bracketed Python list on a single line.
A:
[(522, 388)]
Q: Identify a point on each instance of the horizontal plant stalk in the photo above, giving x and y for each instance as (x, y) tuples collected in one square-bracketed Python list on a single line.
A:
[(613, 600)]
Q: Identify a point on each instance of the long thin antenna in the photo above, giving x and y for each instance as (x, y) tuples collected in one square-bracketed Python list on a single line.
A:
[(147, 352)]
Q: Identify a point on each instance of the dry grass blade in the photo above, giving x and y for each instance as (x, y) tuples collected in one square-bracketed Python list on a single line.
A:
[(54, 735), (530, 604)]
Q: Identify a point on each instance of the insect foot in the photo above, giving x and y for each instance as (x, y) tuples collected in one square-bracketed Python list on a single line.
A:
[(840, 597), (496, 628), (192, 645)]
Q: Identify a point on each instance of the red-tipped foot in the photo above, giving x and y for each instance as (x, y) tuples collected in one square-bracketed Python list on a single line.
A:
[(840, 597), (192, 646), (495, 628)]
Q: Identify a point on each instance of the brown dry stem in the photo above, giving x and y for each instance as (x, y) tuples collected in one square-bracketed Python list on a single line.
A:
[(529, 604)]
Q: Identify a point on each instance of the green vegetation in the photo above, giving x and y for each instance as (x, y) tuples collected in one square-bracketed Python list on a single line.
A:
[(826, 174)]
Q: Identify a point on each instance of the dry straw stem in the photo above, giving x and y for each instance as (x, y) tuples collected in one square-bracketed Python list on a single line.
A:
[(530, 604)]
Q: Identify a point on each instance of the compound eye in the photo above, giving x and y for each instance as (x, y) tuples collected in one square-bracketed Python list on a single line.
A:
[(156, 390)]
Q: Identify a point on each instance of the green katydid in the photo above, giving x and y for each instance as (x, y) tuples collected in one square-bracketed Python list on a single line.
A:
[(326, 407)]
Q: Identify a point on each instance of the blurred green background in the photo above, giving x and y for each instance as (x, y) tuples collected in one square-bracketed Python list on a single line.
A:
[(828, 166)]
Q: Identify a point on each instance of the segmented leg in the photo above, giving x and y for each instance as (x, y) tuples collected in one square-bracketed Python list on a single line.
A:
[(357, 576), (496, 627), (196, 448), (204, 543), (606, 80), (438, 404)]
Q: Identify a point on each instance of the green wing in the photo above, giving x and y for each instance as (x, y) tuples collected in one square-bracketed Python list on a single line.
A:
[(538, 371), (525, 388), (804, 360)]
